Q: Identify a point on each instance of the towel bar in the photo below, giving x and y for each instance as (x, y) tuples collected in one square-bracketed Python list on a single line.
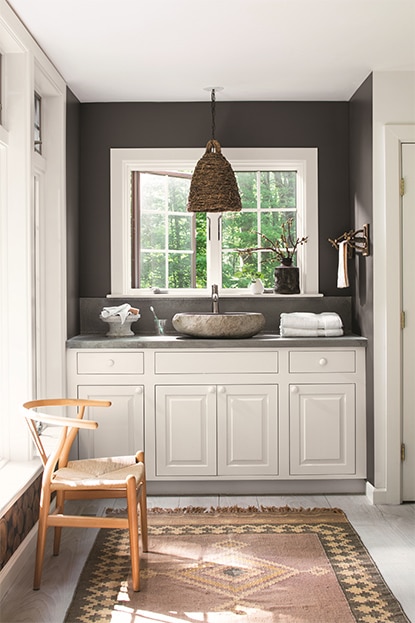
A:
[(357, 240)]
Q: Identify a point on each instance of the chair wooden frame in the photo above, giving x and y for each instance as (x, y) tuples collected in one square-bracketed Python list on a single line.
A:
[(132, 487)]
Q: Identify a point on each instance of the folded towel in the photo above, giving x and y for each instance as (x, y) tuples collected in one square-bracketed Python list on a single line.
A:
[(329, 320), (308, 320), (342, 274), (121, 310), (287, 332)]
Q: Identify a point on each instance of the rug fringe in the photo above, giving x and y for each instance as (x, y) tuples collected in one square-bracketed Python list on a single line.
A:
[(217, 510)]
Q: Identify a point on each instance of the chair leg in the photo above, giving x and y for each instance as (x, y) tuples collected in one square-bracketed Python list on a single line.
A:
[(133, 530), (143, 517), (41, 538), (143, 505), (60, 503)]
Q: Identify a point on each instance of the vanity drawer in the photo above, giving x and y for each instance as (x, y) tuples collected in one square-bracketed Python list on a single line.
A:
[(250, 362), (322, 361), (110, 363)]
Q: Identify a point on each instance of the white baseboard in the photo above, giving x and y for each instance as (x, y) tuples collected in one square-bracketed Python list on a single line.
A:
[(381, 496)]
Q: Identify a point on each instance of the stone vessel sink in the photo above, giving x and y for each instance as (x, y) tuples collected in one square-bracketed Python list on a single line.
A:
[(228, 325)]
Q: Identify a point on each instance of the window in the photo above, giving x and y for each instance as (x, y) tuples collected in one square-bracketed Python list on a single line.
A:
[(163, 233), (156, 243)]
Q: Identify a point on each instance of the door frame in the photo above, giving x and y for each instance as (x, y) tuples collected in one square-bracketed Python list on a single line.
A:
[(387, 487), (408, 424)]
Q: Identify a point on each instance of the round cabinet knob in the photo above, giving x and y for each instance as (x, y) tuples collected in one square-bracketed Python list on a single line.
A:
[(110, 363), (139, 390), (221, 389), (212, 389), (323, 361), (294, 389)]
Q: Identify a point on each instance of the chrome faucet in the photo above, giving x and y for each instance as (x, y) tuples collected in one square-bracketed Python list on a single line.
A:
[(215, 299)]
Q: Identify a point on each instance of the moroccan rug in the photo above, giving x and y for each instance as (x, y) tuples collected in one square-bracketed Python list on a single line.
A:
[(218, 566)]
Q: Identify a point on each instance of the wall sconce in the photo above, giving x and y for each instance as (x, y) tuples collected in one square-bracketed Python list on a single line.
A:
[(213, 187)]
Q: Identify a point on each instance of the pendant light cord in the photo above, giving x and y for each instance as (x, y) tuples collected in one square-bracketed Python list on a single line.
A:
[(213, 109)]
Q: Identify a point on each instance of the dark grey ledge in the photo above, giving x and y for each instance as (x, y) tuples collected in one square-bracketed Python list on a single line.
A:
[(268, 340)]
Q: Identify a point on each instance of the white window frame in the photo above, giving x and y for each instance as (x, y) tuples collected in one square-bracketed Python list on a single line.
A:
[(26, 69), (124, 161)]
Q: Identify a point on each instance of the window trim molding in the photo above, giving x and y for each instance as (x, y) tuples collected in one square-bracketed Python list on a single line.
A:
[(25, 69), (123, 161)]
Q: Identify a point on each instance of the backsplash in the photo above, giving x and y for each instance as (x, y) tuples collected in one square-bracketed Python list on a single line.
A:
[(166, 307)]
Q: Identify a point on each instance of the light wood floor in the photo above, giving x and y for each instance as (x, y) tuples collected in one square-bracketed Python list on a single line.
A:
[(388, 532)]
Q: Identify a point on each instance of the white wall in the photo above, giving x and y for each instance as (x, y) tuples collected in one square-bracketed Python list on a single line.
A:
[(393, 121)]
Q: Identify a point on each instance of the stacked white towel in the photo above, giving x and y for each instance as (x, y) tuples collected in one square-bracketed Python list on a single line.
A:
[(121, 310), (307, 324)]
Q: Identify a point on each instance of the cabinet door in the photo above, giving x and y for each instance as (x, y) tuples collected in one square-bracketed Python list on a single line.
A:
[(322, 429), (120, 426), (186, 430), (247, 430)]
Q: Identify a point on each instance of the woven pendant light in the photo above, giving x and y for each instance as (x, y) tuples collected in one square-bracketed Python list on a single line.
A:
[(213, 187)]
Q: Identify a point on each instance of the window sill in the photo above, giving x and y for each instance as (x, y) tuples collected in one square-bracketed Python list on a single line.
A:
[(15, 477), (149, 294)]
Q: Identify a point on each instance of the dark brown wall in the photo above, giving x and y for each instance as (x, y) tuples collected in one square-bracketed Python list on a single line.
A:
[(361, 197), (342, 132), (324, 125)]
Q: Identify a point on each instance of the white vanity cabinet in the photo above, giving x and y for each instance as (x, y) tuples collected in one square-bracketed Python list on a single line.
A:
[(185, 422), (216, 430), (326, 413), (281, 412), (322, 429), (120, 426), (117, 377), (247, 417)]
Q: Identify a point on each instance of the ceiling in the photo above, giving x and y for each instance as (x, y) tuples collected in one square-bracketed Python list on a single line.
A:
[(172, 50)]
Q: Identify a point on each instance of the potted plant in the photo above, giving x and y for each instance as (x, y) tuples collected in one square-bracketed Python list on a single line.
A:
[(284, 248)]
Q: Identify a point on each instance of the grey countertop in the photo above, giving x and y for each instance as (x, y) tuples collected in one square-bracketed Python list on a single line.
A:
[(266, 340)]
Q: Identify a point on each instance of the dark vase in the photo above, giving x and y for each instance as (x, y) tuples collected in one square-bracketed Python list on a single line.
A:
[(287, 280)]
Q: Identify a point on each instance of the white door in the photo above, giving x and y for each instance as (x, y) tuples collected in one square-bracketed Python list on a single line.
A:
[(408, 333), (120, 426), (247, 430), (322, 429), (186, 430)]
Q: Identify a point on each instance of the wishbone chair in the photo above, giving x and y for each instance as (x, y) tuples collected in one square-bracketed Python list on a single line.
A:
[(109, 477)]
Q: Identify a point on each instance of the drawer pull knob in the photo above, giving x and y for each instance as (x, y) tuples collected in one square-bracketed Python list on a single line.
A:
[(212, 389), (222, 389), (323, 361), (294, 389), (139, 390), (110, 362)]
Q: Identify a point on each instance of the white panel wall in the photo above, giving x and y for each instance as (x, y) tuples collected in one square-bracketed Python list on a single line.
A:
[(33, 293)]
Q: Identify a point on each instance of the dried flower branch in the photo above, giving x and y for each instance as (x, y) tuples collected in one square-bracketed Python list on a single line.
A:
[(283, 247)]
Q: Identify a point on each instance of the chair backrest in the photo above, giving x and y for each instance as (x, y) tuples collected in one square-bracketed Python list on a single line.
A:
[(70, 427)]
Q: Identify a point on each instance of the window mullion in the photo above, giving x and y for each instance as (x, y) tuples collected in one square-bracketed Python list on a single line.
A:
[(258, 218), (214, 250), (166, 231)]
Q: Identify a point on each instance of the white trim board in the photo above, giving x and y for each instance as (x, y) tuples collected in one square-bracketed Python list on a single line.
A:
[(387, 332)]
